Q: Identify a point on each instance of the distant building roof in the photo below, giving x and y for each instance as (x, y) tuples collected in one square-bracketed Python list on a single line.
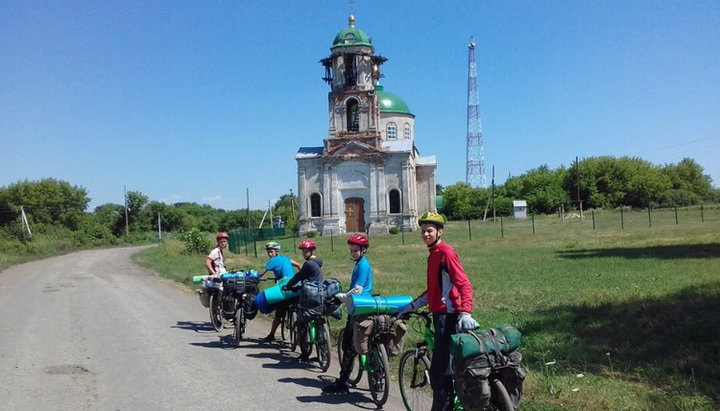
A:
[(519, 203), (309, 152)]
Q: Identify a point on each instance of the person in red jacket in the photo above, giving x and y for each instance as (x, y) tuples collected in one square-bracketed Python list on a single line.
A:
[(449, 297)]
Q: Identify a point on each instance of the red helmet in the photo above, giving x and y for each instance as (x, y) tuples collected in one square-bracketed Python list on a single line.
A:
[(221, 236), (307, 244), (359, 239)]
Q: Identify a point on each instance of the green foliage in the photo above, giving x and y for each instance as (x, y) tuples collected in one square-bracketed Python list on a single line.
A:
[(542, 188), (463, 202), (311, 234), (196, 242), (286, 207), (394, 230), (47, 201)]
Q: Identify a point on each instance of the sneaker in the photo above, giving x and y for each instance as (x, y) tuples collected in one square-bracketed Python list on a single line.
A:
[(336, 388), (268, 339)]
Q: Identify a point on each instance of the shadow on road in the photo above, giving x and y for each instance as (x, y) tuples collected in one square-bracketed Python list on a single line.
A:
[(197, 326)]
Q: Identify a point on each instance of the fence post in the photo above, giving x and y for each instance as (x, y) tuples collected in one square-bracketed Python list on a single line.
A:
[(332, 243), (592, 212), (702, 214), (502, 230), (622, 220), (676, 217), (402, 229), (532, 216), (469, 231), (649, 217), (255, 243)]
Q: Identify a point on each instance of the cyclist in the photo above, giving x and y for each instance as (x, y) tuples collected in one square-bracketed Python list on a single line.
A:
[(449, 297), (311, 271), (214, 264), (281, 266), (361, 282), (215, 261)]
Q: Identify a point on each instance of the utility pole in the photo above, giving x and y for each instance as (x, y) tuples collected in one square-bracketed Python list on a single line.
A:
[(577, 175), (127, 223)]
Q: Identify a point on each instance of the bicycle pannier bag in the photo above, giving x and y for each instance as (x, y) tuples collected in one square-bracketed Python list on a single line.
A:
[(362, 333)]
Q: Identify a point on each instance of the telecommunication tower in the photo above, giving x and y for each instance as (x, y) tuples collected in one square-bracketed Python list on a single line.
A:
[(475, 164)]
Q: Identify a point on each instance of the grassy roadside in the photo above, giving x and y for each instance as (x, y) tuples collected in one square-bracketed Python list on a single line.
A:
[(613, 318)]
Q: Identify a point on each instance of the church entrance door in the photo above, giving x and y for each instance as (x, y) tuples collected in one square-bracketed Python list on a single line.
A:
[(354, 215)]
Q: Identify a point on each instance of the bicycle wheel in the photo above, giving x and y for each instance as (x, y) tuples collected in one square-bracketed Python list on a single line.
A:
[(215, 311), (414, 380), (322, 343), (379, 374), (283, 330), (356, 370), (304, 340), (239, 324), (499, 396), (292, 326)]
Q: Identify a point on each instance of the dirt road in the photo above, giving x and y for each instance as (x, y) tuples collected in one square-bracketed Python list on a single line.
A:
[(92, 331)]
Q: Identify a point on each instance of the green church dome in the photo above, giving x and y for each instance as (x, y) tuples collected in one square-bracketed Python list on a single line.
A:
[(390, 103), (352, 36)]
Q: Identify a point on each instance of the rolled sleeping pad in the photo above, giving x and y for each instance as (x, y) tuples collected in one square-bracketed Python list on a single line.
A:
[(368, 304), (275, 294), (227, 276), (262, 304)]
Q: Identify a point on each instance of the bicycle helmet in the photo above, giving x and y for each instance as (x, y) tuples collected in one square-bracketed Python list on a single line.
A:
[(272, 245), (359, 239), (221, 236), (307, 244), (432, 218)]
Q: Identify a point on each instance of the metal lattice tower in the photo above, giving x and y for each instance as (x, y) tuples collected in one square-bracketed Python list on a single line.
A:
[(475, 171)]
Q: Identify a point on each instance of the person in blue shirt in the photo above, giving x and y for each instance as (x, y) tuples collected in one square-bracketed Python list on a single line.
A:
[(281, 267), (361, 282)]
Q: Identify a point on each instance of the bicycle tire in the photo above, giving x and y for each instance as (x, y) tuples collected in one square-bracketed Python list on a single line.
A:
[(379, 374), (283, 330), (304, 341), (239, 325), (215, 311), (414, 380), (356, 370), (293, 327), (499, 396), (322, 345)]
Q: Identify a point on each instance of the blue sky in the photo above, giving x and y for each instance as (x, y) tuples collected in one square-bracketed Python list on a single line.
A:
[(202, 100)]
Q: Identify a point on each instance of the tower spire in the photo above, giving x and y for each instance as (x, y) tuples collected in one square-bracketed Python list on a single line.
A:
[(475, 162)]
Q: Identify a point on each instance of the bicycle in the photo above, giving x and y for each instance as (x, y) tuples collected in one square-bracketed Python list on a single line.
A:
[(375, 363), (313, 330), (231, 300), (414, 374)]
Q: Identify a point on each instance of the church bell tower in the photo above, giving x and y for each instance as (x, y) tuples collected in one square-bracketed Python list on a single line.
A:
[(352, 70)]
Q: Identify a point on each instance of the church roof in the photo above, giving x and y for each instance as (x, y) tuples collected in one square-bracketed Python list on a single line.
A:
[(309, 152), (390, 103), (352, 36)]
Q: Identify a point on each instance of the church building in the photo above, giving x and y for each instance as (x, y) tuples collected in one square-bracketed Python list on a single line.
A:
[(368, 175)]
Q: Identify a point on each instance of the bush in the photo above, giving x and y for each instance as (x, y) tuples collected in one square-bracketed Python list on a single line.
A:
[(394, 230), (195, 241), (311, 234)]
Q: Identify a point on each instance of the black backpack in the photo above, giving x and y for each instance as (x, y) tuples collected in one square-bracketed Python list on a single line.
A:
[(476, 375)]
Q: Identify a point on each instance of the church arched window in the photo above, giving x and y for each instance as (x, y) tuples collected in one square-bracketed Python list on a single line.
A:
[(352, 109), (315, 205), (391, 131), (406, 131), (394, 201)]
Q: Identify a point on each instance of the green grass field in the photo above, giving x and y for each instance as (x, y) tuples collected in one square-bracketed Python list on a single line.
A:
[(623, 316)]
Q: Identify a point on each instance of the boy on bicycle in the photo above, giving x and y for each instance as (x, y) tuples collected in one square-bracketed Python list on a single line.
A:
[(361, 282), (449, 297), (310, 271), (281, 266), (214, 264)]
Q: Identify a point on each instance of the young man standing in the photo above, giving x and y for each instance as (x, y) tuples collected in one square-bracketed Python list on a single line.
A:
[(361, 282), (281, 267), (449, 297), (215, 261), (310, 271)]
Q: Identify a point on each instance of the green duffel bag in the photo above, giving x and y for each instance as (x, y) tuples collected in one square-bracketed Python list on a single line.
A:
[(503, 339)]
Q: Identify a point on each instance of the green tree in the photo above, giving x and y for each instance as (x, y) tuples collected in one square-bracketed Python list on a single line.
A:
[(542, 188), (48, 201), (287, 208)]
